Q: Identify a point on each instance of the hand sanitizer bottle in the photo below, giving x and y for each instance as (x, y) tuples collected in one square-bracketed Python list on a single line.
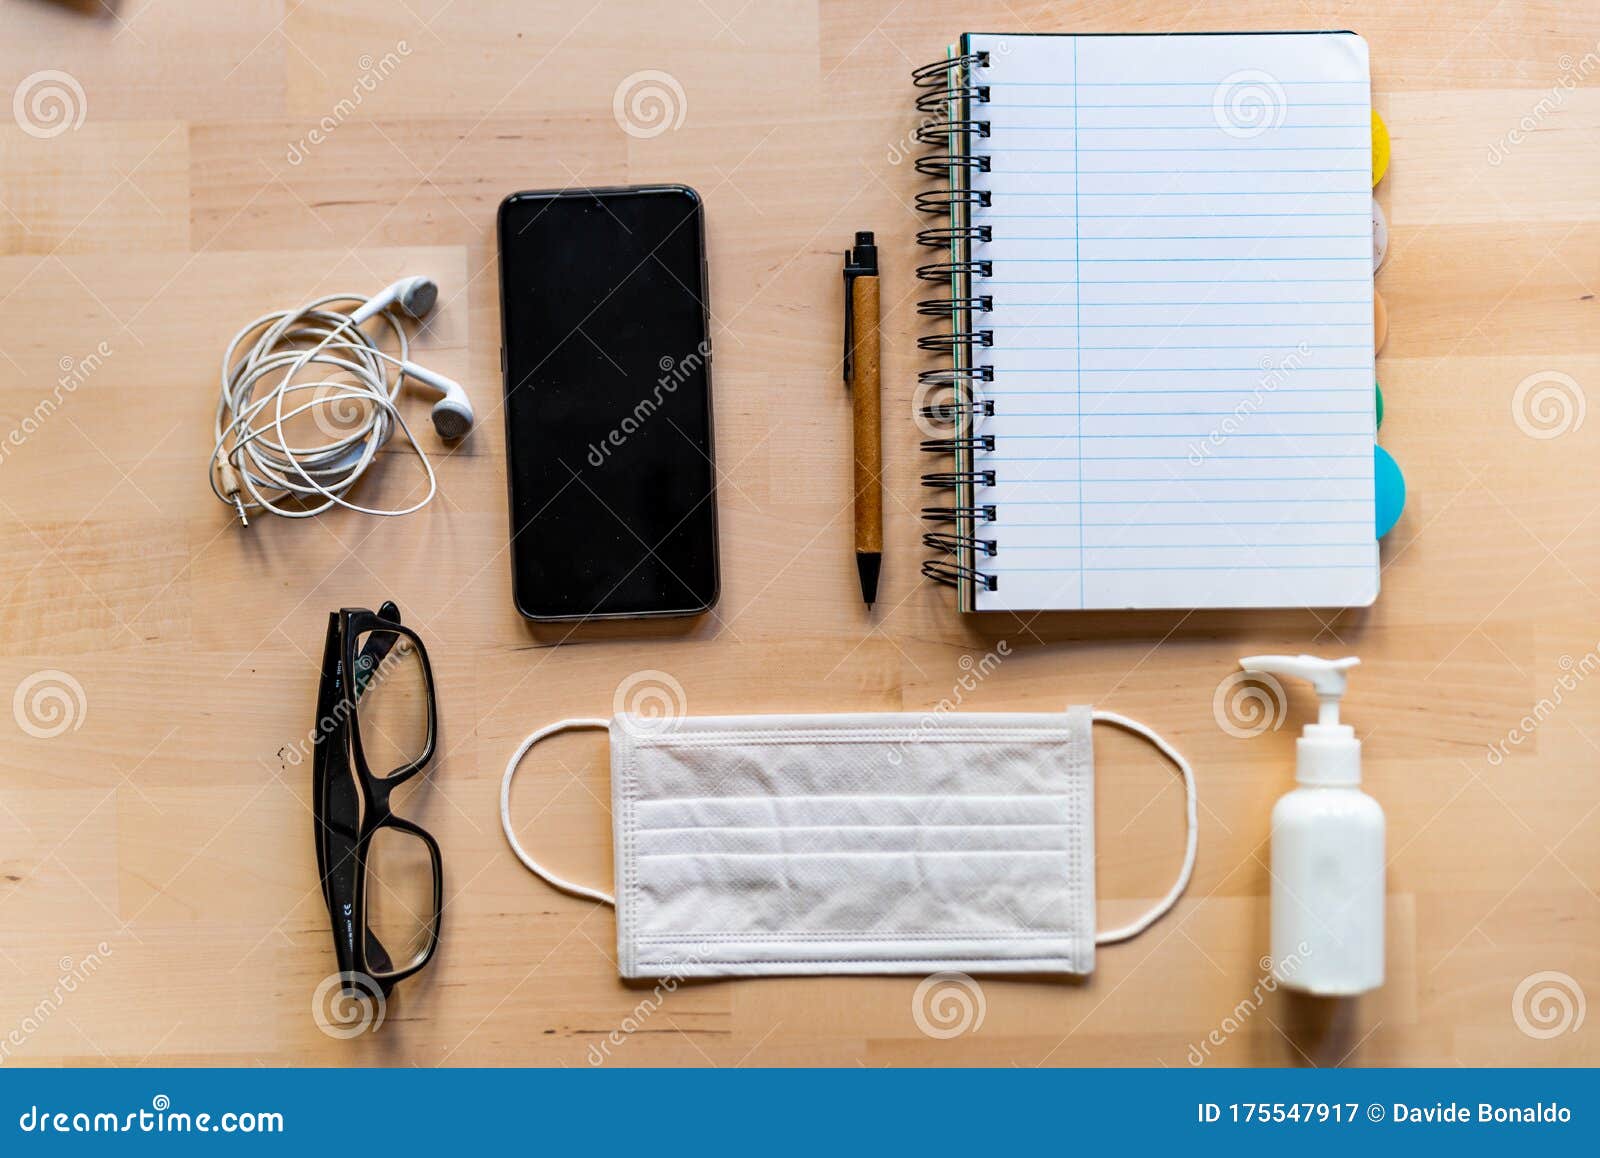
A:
[(1327, 849)]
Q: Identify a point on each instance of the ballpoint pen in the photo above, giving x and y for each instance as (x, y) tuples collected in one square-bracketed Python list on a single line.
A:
[(861, 374)]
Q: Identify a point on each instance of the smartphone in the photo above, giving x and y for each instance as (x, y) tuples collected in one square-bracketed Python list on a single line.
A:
[(606, 352)]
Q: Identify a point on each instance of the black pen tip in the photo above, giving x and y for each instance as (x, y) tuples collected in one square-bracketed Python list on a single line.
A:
[(869, 564)]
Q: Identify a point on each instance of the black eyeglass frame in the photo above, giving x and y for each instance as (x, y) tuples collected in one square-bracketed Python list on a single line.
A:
[(345, 822)]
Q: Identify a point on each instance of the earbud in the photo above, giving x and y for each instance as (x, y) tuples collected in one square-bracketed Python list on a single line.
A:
[(452, 414), (414, 295)]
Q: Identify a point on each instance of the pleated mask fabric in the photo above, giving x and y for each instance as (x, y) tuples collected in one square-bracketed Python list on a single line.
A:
[(854, 843)]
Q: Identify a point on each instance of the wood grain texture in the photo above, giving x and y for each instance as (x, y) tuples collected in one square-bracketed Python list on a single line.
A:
[(165, 832)]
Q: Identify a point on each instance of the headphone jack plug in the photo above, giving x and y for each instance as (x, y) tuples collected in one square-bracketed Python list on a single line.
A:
[(230, 487)]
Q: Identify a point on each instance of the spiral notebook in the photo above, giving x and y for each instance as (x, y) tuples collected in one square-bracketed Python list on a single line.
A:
[(1159, 321)]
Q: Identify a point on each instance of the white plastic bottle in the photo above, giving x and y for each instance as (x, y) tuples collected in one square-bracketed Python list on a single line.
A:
[(1327, 849)]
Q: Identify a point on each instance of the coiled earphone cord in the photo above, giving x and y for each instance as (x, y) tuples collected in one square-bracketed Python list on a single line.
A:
[(254, 466)]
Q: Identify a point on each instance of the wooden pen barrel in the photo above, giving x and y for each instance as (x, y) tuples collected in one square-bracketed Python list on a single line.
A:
[(864, 388)]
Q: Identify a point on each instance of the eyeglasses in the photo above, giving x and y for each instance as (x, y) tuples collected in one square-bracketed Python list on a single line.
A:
[(382, 877)]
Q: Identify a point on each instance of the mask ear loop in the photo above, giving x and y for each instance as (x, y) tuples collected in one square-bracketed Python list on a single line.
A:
[(534, 866), (1191, 845)]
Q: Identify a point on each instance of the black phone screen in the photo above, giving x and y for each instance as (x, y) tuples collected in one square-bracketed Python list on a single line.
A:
[(607, 354)]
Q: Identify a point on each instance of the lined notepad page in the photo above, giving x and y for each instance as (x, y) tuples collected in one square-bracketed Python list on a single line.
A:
[(1182, 321)]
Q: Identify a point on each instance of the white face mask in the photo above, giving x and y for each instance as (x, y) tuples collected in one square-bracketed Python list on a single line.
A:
[(893, 843)]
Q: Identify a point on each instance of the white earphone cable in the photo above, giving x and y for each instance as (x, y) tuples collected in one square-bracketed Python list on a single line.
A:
[(252, 453)]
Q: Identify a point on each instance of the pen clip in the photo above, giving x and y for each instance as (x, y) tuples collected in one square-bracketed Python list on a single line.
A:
[(862, 261)]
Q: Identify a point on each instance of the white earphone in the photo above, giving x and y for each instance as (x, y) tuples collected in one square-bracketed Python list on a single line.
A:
[(253, 464), (415, 297), (452, 414)]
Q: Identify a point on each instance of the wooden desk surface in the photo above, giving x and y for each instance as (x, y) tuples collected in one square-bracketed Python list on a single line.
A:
[(160, 845)]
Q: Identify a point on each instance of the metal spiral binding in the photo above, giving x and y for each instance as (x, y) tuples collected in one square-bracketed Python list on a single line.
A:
[(983, 442), (949, 343), (945, 200), (952, 411), (956, 479), (950, 307), (954, 574), (943, 541), (954, 514), (953, 270), (947, 235), (955, 375), (938, 74), (939, 132), (937, 101), (940, 164), (949, 98)]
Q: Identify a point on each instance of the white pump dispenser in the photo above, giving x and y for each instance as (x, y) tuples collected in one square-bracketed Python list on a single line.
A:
[(1327, 848)]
